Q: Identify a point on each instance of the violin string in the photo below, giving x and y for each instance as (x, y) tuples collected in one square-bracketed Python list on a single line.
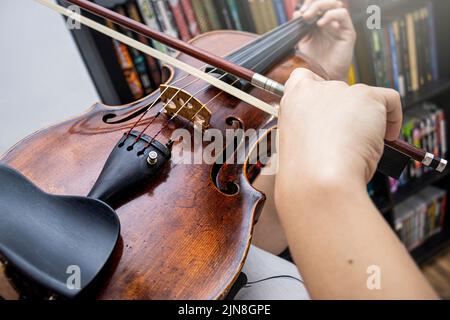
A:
[(204, 105), (167, 123), (152, 105), (165, 105)]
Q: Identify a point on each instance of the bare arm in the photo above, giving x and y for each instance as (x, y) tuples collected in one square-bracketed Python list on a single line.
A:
[(334, 231)]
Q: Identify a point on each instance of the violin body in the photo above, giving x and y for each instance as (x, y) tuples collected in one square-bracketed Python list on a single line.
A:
[(182, 236)]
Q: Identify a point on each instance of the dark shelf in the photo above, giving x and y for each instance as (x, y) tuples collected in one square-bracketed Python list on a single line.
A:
[(390, 7), (417, 185), (427, 92), (431, 247), (383, 205)]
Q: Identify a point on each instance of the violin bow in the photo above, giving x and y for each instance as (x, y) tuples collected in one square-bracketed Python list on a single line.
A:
[(426, 158)]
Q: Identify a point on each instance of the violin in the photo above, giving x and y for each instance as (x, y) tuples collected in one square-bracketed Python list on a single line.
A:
[(177, 231)]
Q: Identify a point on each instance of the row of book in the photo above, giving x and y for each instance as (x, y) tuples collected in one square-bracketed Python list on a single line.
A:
[(185, 19), (425, 127), (405, 53), (420, 217)]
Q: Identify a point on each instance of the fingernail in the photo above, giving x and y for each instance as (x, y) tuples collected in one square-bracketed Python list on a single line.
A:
[(303, 8)]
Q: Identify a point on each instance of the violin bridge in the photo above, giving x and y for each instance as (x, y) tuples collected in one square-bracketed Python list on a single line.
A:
[(181, 103)]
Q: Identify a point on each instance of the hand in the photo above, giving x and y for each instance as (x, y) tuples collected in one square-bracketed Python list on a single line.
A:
[(332, 43), (333, 133), (331, 138)]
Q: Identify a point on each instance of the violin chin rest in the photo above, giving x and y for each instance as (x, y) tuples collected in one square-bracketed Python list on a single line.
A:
[(59, 242)]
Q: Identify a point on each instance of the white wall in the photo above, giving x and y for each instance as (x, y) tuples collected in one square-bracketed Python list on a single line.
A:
[(43, 79)]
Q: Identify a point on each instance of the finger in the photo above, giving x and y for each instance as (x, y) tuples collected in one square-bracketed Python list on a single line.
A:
[(340, 15), (305, 5), (318, 8), (391, 99), (299, 75)]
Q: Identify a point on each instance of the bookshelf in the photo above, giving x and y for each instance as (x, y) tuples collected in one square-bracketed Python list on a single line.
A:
[(98, 54), (437, 91)]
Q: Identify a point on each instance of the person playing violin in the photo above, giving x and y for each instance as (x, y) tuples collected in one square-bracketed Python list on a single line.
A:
[(343, 249)]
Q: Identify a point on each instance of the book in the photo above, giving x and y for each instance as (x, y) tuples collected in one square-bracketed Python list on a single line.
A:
[(401, 80), (180, 22), (165, 18), (153, 64), (126, 63), (433, 43), (256, 10), (420, 43), (194, 30), (412, 49), (245, 16), (212, 15), (425, 127), (378, 57), (387, 59), (223, 14), (394, 56), (271, 16), (149, 17), (139, 60), (290, 6), (405, 56), (235, 15), (280, 11), (420, 217), (201, 16)]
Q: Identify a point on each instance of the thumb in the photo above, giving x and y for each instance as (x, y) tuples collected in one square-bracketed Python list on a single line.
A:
[(392, 101)]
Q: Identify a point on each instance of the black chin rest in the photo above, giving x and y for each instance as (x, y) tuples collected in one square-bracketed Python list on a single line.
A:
[(43, 235)]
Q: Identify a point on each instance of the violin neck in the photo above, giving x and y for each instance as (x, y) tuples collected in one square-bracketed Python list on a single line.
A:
[(263, 53)]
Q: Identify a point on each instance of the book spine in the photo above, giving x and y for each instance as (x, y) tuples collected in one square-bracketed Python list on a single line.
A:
[(378, 58), (264, 15), (224, 14), (399, 58), (194, 30), (212, 15), (234, 12), (412, 49), (177, 12), (148, 14), (139, 61), (280, 11), (271, 14), (427, 45), (165, 18), (200, 14), (419, 47), (246, 17), (405, 55), (127, 66), (257, 17), (387, 56), (153, 65), (290, 6), (433, 42), (393, 45)]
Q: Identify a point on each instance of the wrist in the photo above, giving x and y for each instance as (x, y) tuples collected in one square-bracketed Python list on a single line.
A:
[(323, 187)]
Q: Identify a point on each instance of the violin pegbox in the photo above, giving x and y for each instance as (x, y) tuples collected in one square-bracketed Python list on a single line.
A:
[(179, 103)]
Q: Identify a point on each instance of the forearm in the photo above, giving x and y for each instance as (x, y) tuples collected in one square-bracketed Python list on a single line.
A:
[(335, 234)]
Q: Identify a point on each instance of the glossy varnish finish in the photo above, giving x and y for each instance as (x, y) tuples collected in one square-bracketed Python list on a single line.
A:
[(181, 237)]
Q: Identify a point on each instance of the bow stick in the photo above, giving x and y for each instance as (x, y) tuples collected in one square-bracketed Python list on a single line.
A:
[(258, 80)]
